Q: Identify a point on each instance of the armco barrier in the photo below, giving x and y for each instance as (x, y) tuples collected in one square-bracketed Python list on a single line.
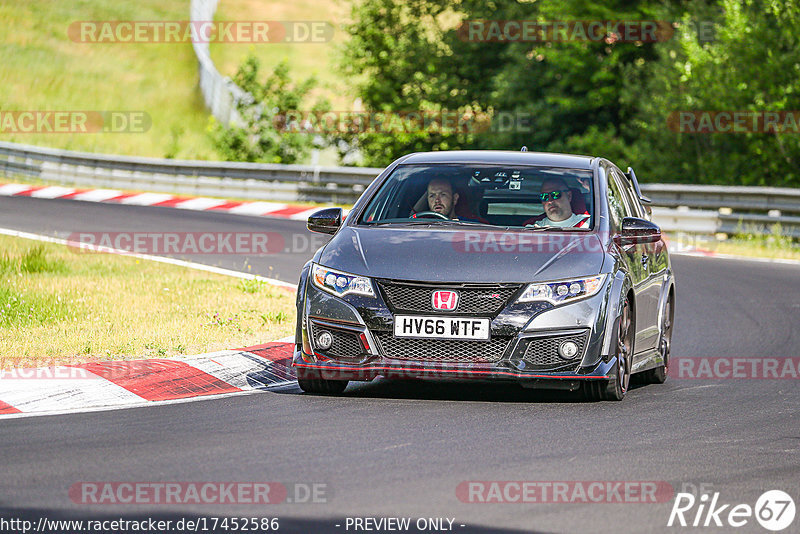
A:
[(685, 208), (219, 93), (257, 181)]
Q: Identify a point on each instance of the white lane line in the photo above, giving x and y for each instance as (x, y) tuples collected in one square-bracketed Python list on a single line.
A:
[(146, 199), (53, 192), (97, 195), (144, 404), (13, 189), (257, 208), (200, 203), (160, 259)]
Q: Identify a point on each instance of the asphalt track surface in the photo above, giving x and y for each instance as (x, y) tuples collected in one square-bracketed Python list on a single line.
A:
[(401, 448)]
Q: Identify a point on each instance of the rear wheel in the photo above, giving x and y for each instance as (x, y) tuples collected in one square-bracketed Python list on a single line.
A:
[(321, 386), (659, 374), (616, 388)]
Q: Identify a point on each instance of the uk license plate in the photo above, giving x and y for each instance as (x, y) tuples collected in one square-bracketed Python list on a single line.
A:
[(441, 327)]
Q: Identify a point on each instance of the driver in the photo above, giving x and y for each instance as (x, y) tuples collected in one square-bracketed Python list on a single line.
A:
[(441, 198), (556, 198)]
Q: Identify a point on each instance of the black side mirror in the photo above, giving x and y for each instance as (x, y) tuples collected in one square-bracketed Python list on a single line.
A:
[(325, 221), (635, 230)]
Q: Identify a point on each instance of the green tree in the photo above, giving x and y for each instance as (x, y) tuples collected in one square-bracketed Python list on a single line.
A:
[(567, 95), (752, 64), (265, 135)]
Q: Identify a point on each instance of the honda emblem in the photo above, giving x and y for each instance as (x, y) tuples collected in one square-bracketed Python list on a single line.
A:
[(444, 300)]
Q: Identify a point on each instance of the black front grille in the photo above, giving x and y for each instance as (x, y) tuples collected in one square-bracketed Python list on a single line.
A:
[(542, 352), (442, 350), (475, 299)]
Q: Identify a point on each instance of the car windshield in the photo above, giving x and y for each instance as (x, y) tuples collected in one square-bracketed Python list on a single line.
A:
[(546, 198)]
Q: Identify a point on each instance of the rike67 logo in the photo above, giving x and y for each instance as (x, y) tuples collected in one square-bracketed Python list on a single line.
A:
[(774, 510)]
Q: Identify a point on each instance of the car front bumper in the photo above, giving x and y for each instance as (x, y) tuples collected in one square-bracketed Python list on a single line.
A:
[(365, 348)]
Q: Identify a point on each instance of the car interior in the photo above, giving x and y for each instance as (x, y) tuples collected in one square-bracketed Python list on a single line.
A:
[(486, 194)]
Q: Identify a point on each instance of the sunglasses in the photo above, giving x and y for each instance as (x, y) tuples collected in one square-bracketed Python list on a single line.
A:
[(555, 195)]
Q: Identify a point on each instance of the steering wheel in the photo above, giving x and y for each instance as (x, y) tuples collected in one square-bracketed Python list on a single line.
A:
[(431, 215)]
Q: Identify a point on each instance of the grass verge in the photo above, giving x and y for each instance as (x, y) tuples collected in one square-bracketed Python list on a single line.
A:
[(306, 59), (58, 305), (751, 245), (44, 69)]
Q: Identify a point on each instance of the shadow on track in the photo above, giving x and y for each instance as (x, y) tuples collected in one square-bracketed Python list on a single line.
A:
[(464, 390)]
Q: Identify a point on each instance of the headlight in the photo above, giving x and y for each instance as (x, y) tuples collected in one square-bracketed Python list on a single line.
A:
[(340, 283), (563, 291)]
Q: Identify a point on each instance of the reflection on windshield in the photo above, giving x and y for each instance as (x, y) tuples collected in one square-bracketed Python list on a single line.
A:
[(517, 196)]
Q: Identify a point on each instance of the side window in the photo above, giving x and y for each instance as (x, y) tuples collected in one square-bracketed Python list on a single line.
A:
[(616, 206)]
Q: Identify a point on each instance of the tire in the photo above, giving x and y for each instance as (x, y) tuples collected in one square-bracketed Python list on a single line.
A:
[(616, 388), (320, 386), (659, 374)]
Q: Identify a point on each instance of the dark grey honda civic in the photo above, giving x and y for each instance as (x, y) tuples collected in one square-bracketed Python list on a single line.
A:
[(535, 268)]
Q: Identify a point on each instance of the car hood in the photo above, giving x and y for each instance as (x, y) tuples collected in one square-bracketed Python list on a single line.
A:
[(463, 254)]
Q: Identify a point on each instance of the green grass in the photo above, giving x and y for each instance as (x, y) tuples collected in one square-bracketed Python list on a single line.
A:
[(33, 260), (305, 59), (749, 241), (23, 310), (42, 69), (60, 305)]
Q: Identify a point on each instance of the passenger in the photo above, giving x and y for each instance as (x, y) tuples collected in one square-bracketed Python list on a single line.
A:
[(556, 198)]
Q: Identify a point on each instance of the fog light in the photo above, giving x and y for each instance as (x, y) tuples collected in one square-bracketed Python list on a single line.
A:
[(568, 350), (324, 340)]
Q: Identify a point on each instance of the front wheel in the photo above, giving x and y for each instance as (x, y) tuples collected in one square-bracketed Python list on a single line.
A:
[(616, 388), (321, 386)]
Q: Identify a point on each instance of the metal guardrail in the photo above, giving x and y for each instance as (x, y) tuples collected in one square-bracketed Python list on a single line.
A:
[(220, 94), (257, 181), (710, 209), (676, 207)]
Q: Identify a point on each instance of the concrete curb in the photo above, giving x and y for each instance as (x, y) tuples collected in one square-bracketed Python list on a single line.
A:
[(114, 196), (111, 385)]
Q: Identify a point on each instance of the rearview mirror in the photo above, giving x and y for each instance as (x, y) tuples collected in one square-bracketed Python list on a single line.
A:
[(325, 221), (637, 231)]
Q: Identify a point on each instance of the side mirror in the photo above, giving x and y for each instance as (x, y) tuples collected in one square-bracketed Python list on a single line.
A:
[(637, 231), (325, 221)]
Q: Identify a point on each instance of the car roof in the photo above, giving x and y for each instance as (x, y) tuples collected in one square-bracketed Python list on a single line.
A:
[(502, 157)]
